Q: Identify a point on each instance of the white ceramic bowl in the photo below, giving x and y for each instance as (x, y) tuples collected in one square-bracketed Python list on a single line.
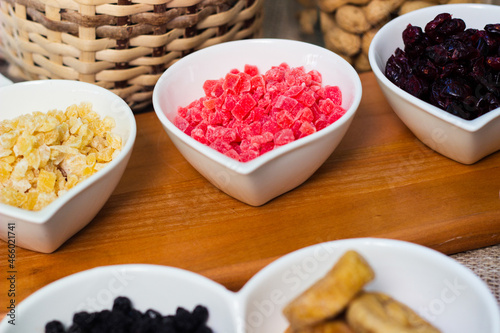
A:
[(280, 170), (444, 292), (465, 141), (47, 229)]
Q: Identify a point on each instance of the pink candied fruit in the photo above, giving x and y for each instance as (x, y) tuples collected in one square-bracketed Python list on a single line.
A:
[(283, 137), (246, 114), (251, 70)]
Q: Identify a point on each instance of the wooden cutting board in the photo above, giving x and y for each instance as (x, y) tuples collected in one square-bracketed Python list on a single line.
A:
[(380, 182)]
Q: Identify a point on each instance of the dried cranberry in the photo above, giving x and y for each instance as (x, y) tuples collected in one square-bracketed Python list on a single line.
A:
[(432, 28), (451, 27), (426, 69), (437, 54), (398, 67), (453, 69), (449, 66), (415, 86), (414, 40), (493, 62), (493, 28)]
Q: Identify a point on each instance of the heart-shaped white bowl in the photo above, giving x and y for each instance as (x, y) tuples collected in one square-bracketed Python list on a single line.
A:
[(47, 229), (444, 292), (465, 141), (280, 170)]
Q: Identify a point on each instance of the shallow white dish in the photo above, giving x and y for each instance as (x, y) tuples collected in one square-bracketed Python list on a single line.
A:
[(465, 141), (280, 170), (446, 293), (47, 229)]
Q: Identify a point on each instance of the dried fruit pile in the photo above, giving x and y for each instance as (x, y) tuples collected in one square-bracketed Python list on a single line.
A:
[(338, 302), (449, 66), (123, 318), (246, 114), (44, 155)]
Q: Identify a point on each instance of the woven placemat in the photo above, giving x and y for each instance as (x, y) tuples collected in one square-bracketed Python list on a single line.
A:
[(485, 263)]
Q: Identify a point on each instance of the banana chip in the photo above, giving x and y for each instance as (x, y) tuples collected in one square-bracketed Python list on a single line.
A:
[(330, 295), (376, 312)]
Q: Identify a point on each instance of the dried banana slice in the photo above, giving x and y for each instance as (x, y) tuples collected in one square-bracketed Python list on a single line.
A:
[(330, 295), (334, 326), (375, 312)]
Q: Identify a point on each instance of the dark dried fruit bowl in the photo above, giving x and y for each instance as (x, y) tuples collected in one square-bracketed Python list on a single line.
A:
[(465, 141)]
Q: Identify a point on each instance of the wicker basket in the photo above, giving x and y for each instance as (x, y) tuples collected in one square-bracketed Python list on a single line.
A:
[(122, 45)]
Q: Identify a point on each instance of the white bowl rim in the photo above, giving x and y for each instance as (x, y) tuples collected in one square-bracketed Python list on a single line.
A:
[(137, 267), (467, 125), (45, 214), (245, 168)]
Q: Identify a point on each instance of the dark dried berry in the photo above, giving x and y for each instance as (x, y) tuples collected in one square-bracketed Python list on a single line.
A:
[(493, 28), (122, 304), (451, 27), (398, 67), (449, 66), (437, 54), (152, 314), (426, 69), (201, 314), (54, 327), (432, 28), (415, 40), (123, 318), (83, 319), (493, 62)]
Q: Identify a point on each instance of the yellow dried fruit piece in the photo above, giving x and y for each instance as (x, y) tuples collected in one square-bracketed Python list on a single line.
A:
[(5, 170), (10, 159), (5, 152), (86, 134), (114, 140), (91, 159), (74, 124), (46, 181), (51, 137), (48, 124), (44, 152), (105, 155), (71, 181), (33, 159), (20, 169), (60, 115), (44, 199), (8, 139), (74, 164), (31, 199), (25, 143), (99, 143), (87, 171), (12, 197), (73, 142), (63, 130)]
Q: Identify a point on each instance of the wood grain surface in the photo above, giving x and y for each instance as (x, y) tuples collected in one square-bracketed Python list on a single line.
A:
[(380, 182)]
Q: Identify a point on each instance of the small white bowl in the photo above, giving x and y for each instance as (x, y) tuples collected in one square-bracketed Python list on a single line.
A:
[(440, 289), (465, 141), (280, 170), (47, 229)]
